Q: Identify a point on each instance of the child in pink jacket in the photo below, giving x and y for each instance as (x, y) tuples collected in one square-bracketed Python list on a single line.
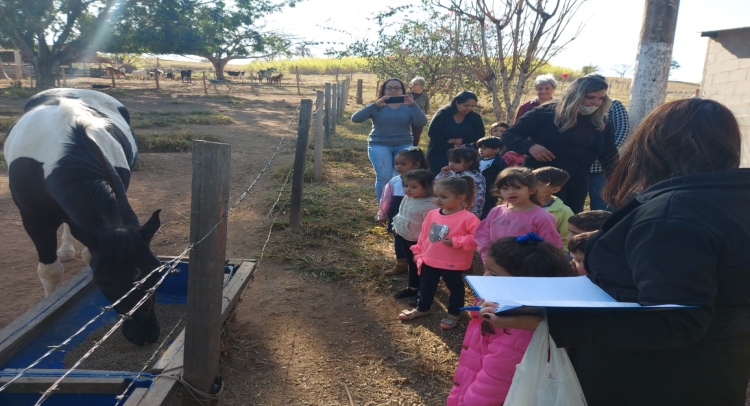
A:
[(445, 249), (518, 214), (489, 355)]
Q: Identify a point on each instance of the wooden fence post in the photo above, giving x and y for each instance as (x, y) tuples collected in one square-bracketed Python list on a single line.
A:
[(156, 77), (359, 91), (113, 81), (205, 89), (19, 65), (334, 107), (295, 213), (298, 91), (327, 118), (319, 111), (377, 90), (65, 80), (210, 198)]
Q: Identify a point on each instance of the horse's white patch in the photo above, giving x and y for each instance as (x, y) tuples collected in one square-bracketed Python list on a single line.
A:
[(46, 129), (50, 275), (66, 252)]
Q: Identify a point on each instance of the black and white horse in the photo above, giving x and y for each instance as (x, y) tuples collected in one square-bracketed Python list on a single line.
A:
[(69, 160)]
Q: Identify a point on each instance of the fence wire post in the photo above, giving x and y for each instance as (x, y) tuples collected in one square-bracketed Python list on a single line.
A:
[(209, 202), (318, 168), (327, 118), (295, 215)]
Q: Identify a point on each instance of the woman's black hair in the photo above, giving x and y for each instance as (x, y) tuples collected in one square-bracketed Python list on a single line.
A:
[(530, 258), (465, 154), (381, 93), (415, 155), (458, 99), (425, 178)]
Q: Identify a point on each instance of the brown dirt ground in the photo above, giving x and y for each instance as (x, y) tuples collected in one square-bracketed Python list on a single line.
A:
[(296, 339)]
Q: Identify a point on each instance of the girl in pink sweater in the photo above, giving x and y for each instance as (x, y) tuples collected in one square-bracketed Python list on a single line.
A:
[(489, 355), (518, 214), (445, 248)]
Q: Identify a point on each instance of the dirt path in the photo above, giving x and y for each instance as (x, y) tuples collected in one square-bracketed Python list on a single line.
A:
[(295, 339)]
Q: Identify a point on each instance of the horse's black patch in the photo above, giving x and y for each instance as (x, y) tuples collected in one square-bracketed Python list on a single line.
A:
[(94, 112), (46, 98), (124, 113)]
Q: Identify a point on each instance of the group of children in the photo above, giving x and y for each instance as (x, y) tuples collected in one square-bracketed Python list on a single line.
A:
[(439, 222)]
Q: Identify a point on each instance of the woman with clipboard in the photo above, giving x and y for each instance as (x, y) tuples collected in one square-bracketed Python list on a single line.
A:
[(680, 236)]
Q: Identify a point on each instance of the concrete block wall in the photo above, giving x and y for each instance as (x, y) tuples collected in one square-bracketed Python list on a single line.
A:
[(726, 78)]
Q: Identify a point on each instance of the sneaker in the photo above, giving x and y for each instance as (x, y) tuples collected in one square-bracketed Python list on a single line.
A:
[(401, 294)]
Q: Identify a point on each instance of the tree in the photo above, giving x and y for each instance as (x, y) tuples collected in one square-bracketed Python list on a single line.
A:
[(504, 43), (590, 68), (673, 66), (622, 69), (54, 32), (652, 63), (416, 41), (214, 30), (303, 51)]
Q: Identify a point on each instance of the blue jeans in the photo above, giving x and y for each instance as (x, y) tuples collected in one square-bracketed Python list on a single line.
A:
[(596, 184), (381, 157)]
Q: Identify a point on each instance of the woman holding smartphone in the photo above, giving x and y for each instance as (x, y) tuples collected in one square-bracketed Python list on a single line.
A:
[(393, 115)]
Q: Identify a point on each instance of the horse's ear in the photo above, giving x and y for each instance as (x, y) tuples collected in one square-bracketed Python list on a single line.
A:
[(149, 228)]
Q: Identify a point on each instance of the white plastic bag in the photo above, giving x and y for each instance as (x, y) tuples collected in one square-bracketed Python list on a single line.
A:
[(545, 381)]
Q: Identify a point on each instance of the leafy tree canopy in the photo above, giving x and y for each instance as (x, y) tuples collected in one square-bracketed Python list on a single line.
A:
[(215, 30)]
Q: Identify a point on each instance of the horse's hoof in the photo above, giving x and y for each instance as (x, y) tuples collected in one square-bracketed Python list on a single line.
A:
[(67, 255)]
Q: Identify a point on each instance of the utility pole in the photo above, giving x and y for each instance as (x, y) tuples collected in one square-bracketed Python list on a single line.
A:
[(654, 58)]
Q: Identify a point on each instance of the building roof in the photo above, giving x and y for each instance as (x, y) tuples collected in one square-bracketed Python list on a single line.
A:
[(713, 33)]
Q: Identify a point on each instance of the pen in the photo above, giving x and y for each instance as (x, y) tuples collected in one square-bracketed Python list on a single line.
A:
[(477, 308)]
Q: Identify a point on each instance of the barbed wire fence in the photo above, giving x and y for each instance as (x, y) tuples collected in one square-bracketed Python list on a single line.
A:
[(328, 111)]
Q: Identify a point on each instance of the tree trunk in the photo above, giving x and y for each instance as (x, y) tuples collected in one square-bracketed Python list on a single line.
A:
[(654, 58), (44, 70)]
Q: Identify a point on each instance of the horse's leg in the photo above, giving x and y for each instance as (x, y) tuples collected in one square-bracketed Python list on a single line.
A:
[(66, 252), (44, 236)]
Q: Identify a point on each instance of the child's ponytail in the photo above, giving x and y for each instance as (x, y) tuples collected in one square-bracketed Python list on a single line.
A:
[(470, 193), (463, 185), (415, 155)]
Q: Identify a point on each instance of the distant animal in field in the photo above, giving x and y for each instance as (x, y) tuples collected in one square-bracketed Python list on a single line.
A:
[(187, 75), (170, 76), (266, 73), (276, 79), (79, 179), (156, 72), (237, 74), (114, 72), (141, 74)]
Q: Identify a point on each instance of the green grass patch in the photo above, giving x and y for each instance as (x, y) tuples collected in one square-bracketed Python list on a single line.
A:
[(169, 119), (17, 91), (171, 141), (338, 238), (6, 121), (311, 66)]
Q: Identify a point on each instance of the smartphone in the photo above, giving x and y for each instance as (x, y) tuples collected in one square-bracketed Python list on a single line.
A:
[(395, 99)]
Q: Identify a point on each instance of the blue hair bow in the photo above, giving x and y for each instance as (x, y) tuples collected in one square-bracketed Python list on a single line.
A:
[(529, 237)]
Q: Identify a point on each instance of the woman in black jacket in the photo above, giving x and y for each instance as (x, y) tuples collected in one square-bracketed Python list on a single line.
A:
[(681, 236), (569, 134), (453, 125)]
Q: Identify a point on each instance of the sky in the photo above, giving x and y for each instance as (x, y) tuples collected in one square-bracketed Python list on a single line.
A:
[(609, 37)]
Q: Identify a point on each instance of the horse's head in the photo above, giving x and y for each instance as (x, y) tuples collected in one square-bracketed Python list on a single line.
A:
[(119, 258)]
